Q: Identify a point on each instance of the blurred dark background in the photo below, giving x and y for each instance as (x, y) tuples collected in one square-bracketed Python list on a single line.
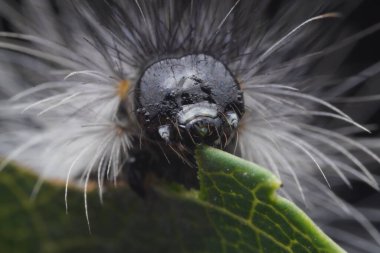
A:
[(365, 54)]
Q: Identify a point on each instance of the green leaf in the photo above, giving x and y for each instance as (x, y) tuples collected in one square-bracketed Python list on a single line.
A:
[(245, 208), (236, 210)]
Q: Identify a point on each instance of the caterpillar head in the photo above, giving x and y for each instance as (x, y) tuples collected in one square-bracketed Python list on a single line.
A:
[(189, 100)]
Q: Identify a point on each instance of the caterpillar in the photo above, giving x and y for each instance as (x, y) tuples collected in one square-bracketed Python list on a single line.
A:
[(96, 90)]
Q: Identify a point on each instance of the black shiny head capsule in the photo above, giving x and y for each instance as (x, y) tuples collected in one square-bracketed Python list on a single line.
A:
[(189, 100)]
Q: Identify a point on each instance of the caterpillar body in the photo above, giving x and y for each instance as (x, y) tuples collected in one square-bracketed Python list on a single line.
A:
[(99, 89)]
